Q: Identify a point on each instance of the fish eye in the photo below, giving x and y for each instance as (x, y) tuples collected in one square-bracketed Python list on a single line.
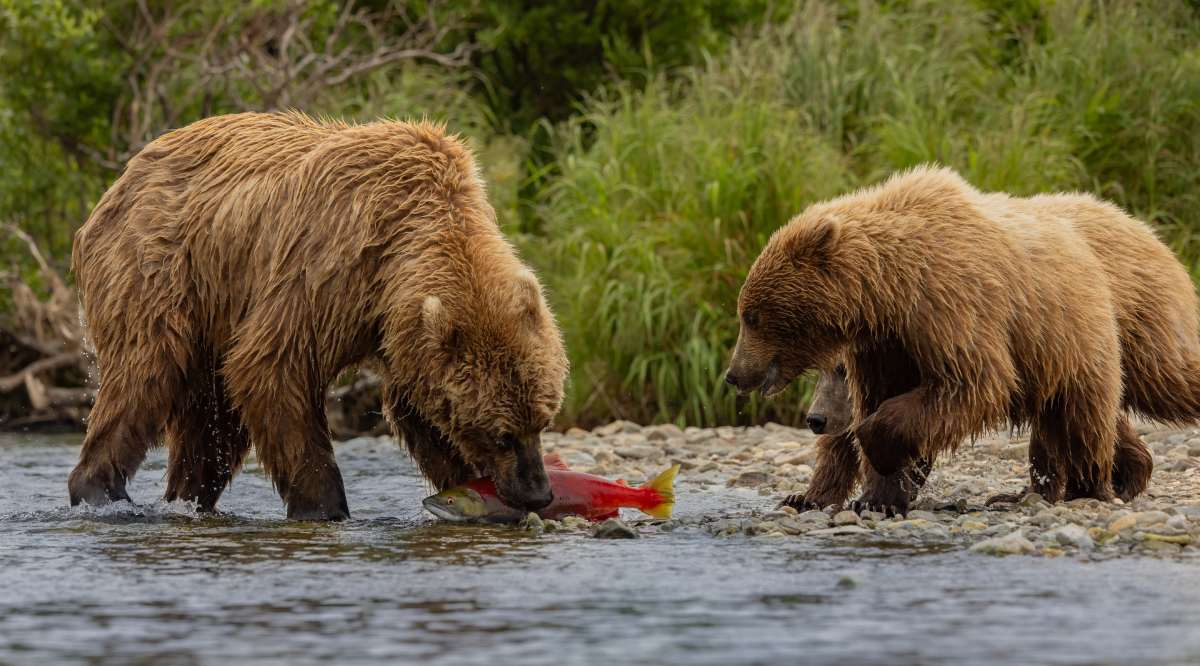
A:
[(449, 500)]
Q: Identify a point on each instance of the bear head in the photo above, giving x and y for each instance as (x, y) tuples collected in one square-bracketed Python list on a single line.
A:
[(829, 411), (492, 374), (796, 305)]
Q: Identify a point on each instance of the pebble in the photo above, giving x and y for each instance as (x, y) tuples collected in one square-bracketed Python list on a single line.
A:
[(532, 523), (1013, 543), (750, 479), (1074, 535), (616, 427), (842, 530), (662, 432), (845, 518), (613, 528)]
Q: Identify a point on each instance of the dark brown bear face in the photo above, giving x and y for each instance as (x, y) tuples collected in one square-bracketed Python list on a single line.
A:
[(829, 411), (497, 377), (793, 308)]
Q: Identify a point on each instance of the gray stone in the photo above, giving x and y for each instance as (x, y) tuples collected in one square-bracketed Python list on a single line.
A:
[(842, 530), (637, 451), (750, 479), (1013, 543), (578, 459), (917, 514), (1074, 535), (613, 528), (845, 518), (616, 427), (662, 432)]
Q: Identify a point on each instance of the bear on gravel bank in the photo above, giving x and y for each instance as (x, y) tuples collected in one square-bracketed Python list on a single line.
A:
[(241, 263), (959, 311)]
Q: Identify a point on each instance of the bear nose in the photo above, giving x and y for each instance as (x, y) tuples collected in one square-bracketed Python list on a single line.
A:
[(731, 378), (816, 423)]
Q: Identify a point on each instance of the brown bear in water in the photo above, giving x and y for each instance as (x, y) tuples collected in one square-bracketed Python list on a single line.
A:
[(241, 263), (959, 311)]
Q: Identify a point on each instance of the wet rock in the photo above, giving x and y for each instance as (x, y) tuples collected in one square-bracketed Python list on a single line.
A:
[(1148, 518), (576, 433), (972, 525), (922, 515), (1177, 539), (662, 432), (1123, 522), (1163, 547), (1033, 500), (575, 522), (552, 525), (581, 459), (1102, 536), (1178, 522), (613, 528), (750, 479), (617, 427), (532, 523), (845, 518), (874, 516), (636, 451), (843, 530), (1073, 535), (1013, 543), (1051, 551)]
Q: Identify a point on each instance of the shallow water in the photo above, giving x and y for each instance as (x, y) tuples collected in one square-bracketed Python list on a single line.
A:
[(156, 584)]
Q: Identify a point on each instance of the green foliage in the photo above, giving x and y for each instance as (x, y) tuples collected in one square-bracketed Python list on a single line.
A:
[(641, 153), (540, 58)]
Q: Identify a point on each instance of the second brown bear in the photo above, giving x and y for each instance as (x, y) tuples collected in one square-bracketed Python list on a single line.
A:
[(960, 311)]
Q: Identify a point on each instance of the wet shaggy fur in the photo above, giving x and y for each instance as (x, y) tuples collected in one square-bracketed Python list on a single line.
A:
[(241, 263), (960, 311)]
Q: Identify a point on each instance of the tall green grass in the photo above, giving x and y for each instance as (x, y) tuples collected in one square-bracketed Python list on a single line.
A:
[(664, 195)]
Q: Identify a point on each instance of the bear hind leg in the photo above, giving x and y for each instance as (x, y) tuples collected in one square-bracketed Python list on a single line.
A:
[(1133, 463), (207, 444), (126, 420)]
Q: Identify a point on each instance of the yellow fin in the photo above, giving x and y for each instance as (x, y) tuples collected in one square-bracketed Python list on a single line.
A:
[(664, 485)]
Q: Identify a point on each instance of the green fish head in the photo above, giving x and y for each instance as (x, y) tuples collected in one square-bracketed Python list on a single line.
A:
[(458, 504)]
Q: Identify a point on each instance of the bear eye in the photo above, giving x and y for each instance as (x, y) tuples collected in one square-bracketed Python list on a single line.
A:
[(750, 318), (840, 370)]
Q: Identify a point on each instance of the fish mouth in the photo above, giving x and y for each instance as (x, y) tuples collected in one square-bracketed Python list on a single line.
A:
[(443, 512)]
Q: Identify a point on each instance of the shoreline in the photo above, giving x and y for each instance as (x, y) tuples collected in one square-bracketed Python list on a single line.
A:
[(775, 460)]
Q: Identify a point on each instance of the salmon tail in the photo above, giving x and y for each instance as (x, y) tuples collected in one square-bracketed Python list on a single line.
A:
[(664, 485)]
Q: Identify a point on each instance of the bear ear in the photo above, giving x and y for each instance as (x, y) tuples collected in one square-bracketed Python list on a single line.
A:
[(529, 297), (814, 242), (436, 322)]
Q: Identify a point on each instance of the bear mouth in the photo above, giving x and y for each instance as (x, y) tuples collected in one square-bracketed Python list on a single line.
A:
[(771, 384)]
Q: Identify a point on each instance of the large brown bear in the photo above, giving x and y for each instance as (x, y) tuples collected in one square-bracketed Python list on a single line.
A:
[(959, 311), (241, 263)]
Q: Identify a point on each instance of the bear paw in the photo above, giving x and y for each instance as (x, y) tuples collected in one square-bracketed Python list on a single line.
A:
[(799, 502), (95, 488)]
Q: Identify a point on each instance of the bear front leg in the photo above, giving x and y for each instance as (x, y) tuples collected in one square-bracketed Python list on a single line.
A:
[(282, 404), (835, 475), (892, 495), (892, 435)]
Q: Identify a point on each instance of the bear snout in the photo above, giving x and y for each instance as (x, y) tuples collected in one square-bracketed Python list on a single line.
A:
[(816, 423)]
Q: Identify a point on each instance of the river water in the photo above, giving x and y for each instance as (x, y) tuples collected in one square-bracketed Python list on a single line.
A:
[(157, 584)]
